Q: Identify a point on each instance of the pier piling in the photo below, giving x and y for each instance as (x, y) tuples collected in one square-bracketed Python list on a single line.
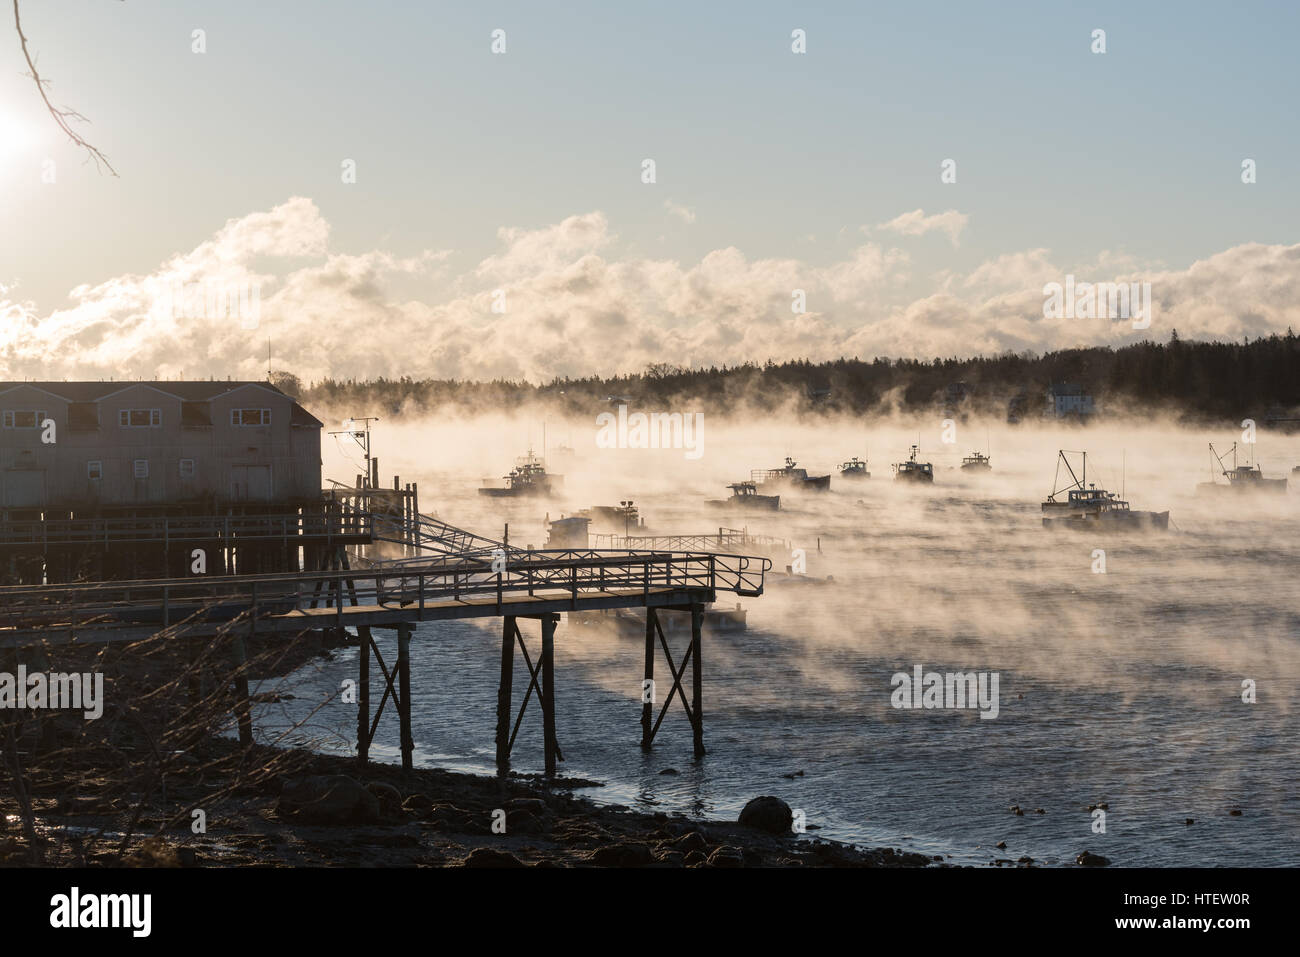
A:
[(548, 691), (697, 675), (404, 700), (503, 692), (363, 694), (647, 700)]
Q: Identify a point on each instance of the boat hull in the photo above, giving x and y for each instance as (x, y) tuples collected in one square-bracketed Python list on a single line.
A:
[(1113, 520), (1275, 486)]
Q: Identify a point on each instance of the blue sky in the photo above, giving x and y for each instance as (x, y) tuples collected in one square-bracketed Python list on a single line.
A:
[(1136, 152)]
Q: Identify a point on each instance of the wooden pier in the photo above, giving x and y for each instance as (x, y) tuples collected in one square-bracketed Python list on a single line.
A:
[(534, 584)]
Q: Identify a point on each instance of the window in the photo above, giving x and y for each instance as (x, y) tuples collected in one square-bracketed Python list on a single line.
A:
[(250, 416), (23, 419), (140, 468), (187, 468), (139, 418), (94, 471)]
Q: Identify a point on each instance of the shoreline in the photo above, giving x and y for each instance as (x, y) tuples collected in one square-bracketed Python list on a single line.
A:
[(331, 813)]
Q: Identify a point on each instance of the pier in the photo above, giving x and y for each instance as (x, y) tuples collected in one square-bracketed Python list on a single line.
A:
[(396, 594)]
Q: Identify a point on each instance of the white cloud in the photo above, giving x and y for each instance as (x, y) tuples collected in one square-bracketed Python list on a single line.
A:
[(574, 307), (916, 223), (684, 213)]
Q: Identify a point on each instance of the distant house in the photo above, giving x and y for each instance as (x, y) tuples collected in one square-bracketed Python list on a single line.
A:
[(97, 446), (1068, 401)]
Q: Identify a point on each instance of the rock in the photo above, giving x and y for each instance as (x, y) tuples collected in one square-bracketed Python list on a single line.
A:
[(694, 841), (1089, 859), (389, 798), (694, 859), (1039, 810), (726, 856), (767, 813), (1000, 844), (1235, 812), (1189, 821), (531, 805), (623, 855), (328, 799), (524, 822), (490, 857), (669, 771), (418, 804)]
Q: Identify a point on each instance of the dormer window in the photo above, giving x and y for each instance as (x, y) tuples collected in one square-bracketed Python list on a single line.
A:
[(23, 419), (243, 417), (139, 418)]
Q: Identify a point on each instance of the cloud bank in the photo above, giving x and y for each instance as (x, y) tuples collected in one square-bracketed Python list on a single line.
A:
[(561, 300)]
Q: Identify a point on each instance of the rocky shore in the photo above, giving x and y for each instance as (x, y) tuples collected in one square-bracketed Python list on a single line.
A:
[(328, 812)]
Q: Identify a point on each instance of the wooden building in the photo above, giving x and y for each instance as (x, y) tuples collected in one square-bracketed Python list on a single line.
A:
[(79, 445), (120, 479)]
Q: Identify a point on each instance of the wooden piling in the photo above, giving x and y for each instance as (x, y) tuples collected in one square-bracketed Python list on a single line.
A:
[(404, 700), (647, 705), (503, 693), (363, 694), (239, 656), (697, 679), (548, 691)]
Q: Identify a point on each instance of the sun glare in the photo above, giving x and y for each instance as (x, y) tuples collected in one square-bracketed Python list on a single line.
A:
[(14, 135)]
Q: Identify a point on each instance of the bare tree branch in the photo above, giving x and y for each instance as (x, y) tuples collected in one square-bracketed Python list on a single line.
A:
[(63, 117)]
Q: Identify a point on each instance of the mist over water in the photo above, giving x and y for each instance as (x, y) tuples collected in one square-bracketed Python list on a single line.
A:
[(1123, 687)]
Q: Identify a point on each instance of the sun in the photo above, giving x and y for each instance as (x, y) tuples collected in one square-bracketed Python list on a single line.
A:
[(15, 136)]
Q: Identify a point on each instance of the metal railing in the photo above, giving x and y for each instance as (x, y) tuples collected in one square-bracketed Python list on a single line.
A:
[(167, 529), (407, 592), (723, 539)]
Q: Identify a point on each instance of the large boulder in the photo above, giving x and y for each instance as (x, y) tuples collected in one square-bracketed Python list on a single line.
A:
[(623, 855), (767, 813), (491, 857), (328, 799)]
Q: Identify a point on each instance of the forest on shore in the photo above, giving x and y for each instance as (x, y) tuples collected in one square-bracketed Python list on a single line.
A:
[(1197, 381)]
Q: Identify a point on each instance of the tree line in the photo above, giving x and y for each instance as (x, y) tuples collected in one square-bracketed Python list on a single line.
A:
[(1197, 380)]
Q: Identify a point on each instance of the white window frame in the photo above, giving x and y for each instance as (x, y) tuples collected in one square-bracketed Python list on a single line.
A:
[(93, 466), (124, 418), (237, 418), (192, 469), (11, 418), (136, 470)]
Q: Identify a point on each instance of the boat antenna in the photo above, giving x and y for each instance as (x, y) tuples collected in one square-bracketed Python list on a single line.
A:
[(1123, 473)]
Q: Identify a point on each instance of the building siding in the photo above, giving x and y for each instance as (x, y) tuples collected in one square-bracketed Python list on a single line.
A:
[(228, 460)]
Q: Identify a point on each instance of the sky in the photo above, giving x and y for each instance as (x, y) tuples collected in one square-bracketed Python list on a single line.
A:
[(498, 222)]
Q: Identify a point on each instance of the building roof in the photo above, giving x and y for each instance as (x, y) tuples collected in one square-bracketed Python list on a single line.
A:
[(196, 390)]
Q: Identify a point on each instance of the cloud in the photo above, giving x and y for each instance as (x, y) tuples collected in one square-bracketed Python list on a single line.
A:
[(575, 305), (916, 223), (684, 213)]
